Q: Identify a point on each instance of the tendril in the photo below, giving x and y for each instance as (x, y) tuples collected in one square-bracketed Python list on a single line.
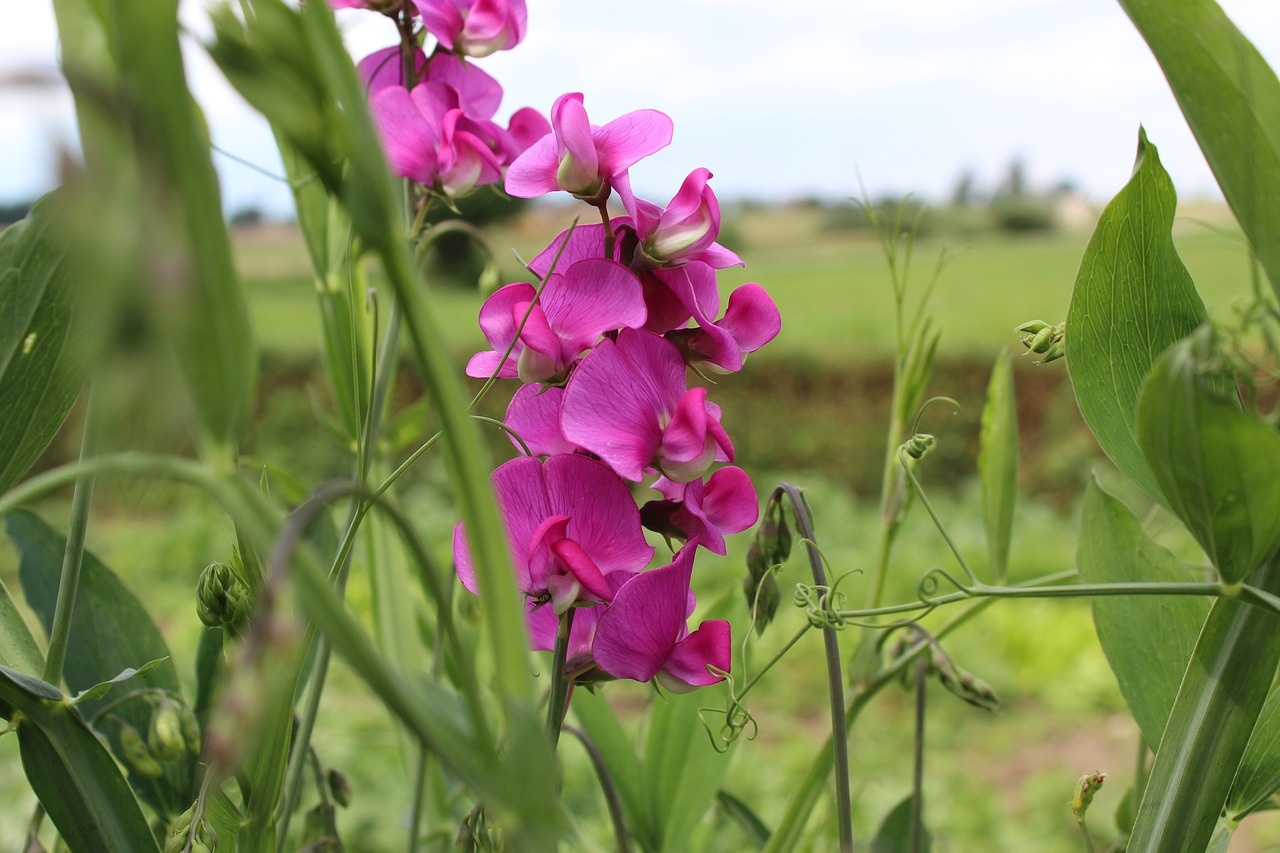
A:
[(931, 584)]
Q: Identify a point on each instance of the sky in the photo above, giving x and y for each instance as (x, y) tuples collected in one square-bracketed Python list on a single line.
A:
[(779, 100)]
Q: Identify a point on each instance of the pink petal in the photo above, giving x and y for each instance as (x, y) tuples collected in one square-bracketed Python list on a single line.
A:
[(526, 126), (640, 629), (499, 329), (442, 18), (626, 139), (573, 134), (603, 516), (585, 243), (593, 296), (695, 285), (579, 562), (410, 141), (533, 173), (685, 438), (478, 93), (730, 500), (462, 560), (752, 317), (534, 415), (522, 497), (384, 68), (710, 645)]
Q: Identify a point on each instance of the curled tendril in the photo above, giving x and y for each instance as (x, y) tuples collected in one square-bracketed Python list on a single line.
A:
[(929, 586), (737, 718), (821, 605), (918, 445), (924, 407)]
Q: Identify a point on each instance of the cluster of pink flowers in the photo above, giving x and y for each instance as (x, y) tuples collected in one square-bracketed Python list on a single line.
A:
[(602, 346)]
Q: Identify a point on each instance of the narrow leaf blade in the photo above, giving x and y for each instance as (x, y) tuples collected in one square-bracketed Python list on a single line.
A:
[(998, 464)]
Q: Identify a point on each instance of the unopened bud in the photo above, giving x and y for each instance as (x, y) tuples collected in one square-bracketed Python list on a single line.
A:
[(165, 739), (222, 600), (136, 755), (1043, 339), (1087, 785), (764, 596), (190, 729), (339, 787)]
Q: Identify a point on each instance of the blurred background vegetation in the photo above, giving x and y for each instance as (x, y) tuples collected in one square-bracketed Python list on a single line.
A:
[(810, 409)]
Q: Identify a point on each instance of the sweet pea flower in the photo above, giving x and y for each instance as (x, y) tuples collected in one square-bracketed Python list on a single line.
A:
[(628, 403), (474, 28), (643, 634), (584, 159), (385, 67), (534, 415), (429, 143), (570, 523), (684, 231), (751, 321), (704, 512), (592, 297)]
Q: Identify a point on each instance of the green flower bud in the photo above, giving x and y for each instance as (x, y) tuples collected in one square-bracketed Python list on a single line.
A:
[(762, 594), (222, 600), (165, 739), (136, 755), (339, 787), (1044, 339), (1087, 785), (190, 729)]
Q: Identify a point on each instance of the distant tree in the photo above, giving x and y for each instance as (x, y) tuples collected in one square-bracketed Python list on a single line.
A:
[(246, 217), (963, 194), (1015, 181)]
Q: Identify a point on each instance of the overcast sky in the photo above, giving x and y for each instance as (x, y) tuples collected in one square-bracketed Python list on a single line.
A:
[(779, 100)]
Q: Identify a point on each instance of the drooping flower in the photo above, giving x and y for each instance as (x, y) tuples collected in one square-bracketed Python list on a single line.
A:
[(570, 523), (704, 511), (644, 634), (474, 28), (628, 403), (584, 159), (684, 231), (431, 143), (592, 297), (751, 321)]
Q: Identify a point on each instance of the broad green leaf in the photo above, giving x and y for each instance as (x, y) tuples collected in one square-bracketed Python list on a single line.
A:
[(18, 649), (1218, 466), (682, 771), (1132, 299), (71, 772), (1259, 775), (998, 464), (110, 632), (42, 364), (1210, 725), (1148, 640), (1230, 97), (894, 835), (619, 755)]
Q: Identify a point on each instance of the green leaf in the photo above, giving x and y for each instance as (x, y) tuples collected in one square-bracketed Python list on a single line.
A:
[(1218, 466), (682, 771), (894, 835), (71, 772), (42, 363), (1230, 97), (1259, 775), (1148, 640), (619, 755), (110, 632), (100, 689), (18, 649), (998, 464), (1132, 299), (742, 814), (1210, 725)]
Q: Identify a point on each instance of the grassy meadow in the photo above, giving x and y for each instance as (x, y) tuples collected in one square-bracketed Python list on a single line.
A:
[(809, 409)]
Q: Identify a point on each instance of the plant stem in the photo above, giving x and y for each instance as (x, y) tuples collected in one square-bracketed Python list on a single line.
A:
[(419, 786), (73, 554), (559, 688), (835, 683), (917, 769), (621, 835)]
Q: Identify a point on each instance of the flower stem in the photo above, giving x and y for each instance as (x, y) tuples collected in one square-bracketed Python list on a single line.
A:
[(72, 555), (559, 688)]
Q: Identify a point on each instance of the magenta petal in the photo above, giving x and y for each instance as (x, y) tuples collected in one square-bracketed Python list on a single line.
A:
[(478, 93), (752, 317), (534, 415), (408, 138), (685, 438), (730, 501), (695, 285), (533, 173), (498, 325), (605, 520), (384, 68), (710, 645), (482, 365), (526, 127), (626, 139), (536, 332), (640, 629), (462, 560), (522, 497), (442, 19), (585, 243), (579, 562), (688, 199), (593, 297)]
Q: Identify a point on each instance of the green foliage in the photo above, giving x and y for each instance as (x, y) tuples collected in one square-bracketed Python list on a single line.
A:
[(998, 464), (42, 341), (1132, 299), (896, 832), (1148, 641)]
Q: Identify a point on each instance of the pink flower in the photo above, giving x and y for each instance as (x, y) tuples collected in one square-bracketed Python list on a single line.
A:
[(685, 231), (385, 67), (751, 321), (474, 27), (584, 159), (592, 297), (534, 415), (643, 634), (704, 512), (570, 524), (429, 142), (627, 403)]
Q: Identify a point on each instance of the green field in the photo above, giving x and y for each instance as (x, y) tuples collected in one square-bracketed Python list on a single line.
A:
[(994, 783)]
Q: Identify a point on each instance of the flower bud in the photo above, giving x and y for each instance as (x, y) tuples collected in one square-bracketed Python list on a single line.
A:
[(339, 787), (190, 729), (165, 739), (1043, 339), (222, 600), (1087, 785), (136, 755), (762, 594)]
